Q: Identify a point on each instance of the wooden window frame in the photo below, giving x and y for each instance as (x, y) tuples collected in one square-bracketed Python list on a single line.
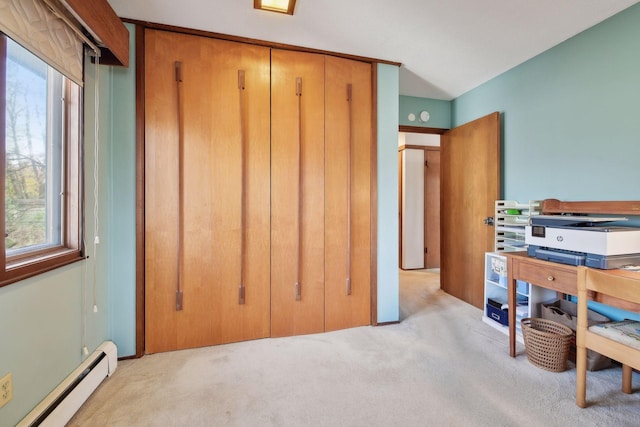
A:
[(28, 264)]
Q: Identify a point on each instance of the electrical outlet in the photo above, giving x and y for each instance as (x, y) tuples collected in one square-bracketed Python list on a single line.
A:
[(6, 389)]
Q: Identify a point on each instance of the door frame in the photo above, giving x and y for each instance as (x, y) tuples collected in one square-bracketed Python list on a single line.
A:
[(421, 130), (429, 218)]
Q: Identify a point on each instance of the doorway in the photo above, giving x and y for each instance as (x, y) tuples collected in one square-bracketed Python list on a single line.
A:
[(419, 200), (470, 184)]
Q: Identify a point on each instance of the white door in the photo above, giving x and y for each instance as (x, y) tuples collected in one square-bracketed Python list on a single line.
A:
[(412, 209)]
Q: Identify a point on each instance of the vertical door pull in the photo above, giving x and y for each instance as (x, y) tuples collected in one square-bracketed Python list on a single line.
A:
[(180, 112), (298, 285), (243, 185), (298, 291), (349, 160), (241, 294)]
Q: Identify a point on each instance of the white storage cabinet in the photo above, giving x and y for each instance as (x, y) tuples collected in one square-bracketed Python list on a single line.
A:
[(529, 297)]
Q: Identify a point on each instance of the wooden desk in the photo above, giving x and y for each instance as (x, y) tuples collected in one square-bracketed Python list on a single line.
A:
[(561, 278)]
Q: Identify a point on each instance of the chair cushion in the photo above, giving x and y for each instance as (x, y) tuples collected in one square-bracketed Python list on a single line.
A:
[(626, 332)]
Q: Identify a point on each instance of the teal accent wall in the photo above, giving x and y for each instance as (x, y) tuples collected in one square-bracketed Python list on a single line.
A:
[(570, 116), (439, 111), (41, 336), (94, 292), (48, 319), (387, 209), (122, 206)]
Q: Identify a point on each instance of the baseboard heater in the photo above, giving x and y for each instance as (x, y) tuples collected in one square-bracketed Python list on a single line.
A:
[(64, 401)]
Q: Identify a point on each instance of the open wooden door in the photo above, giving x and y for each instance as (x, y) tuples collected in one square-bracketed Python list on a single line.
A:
[(470, 185)]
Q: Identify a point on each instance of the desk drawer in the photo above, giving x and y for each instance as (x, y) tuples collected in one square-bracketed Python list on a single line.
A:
[(564, 280)]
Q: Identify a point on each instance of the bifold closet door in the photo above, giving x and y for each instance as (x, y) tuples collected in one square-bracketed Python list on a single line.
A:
[(207, 191), (297, 193), (348, 136)]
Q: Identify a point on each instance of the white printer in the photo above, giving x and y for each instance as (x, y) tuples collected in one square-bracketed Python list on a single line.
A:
[(583, 240)]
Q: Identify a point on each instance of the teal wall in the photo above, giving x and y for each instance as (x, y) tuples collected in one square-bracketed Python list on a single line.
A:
[(48, 319), (439, 111), (570, 116), (41, 336), (122, 206), (387, 209)]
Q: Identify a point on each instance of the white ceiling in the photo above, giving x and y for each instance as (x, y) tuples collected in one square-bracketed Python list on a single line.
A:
[(446, 47)]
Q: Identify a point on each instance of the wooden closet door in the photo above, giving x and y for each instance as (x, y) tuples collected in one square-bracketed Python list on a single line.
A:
[(207, 249), (297, 192), (348, 137)]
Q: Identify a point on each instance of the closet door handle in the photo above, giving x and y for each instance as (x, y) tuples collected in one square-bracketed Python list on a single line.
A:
[(298, 284), (180, 112), (349, 160), (243, 184)]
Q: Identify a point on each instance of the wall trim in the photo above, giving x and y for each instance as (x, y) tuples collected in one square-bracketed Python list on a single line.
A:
[(419, 147), (140, 194), (420, 129)]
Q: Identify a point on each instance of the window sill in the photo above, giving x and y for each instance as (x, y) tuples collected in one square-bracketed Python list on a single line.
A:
[(26, 267)]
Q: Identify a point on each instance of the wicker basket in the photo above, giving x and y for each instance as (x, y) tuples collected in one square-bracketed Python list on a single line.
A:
[(547, 343)]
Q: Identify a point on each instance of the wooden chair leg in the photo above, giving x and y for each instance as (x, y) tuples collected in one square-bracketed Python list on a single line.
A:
[(581, 376), (626, 379)]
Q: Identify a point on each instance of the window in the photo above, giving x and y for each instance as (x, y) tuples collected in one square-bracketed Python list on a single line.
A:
[(40, 131)]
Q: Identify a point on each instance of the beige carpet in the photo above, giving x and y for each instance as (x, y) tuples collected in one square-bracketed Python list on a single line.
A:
[(440, 366)]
